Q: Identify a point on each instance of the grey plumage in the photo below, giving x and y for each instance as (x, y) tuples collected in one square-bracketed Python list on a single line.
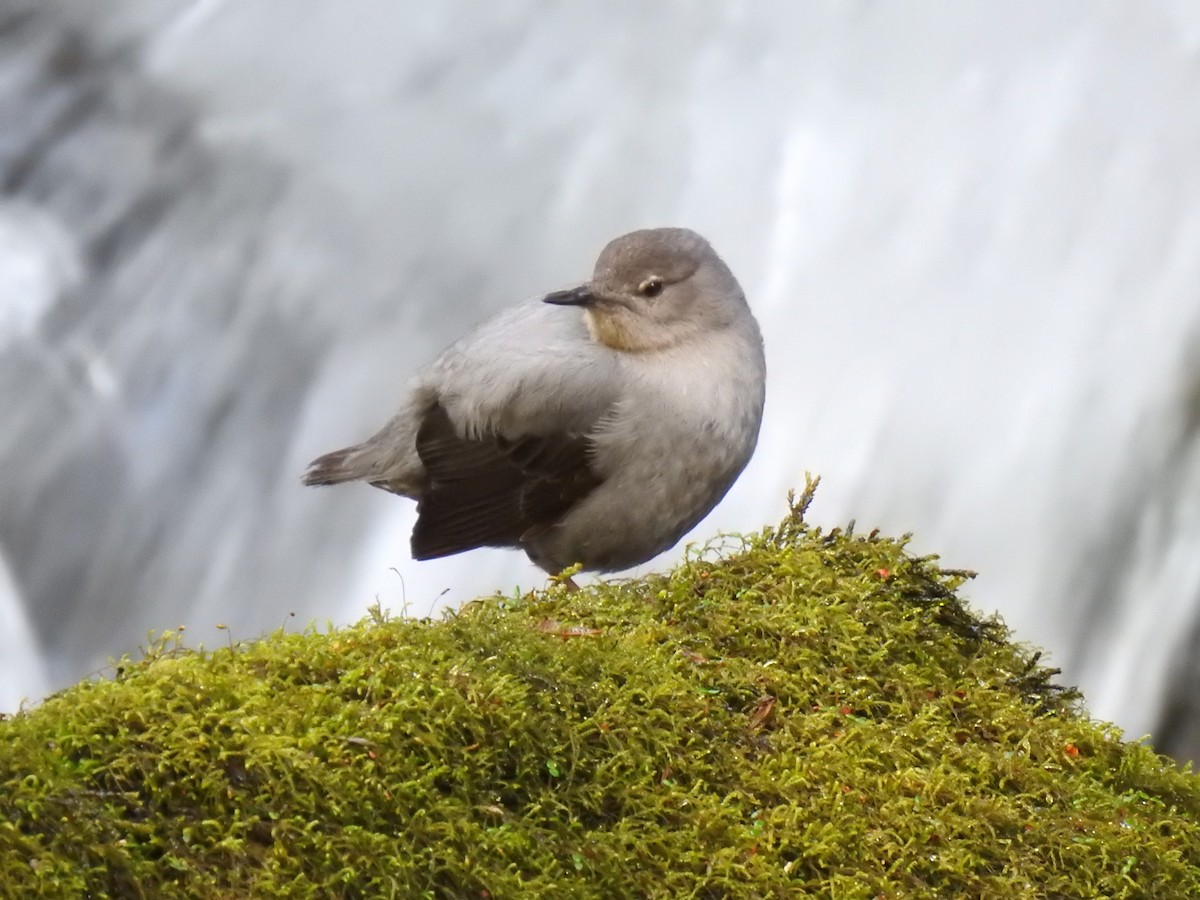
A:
[(597, 437)]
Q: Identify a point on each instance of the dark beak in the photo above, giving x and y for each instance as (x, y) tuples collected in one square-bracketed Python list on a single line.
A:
[(580, 296)]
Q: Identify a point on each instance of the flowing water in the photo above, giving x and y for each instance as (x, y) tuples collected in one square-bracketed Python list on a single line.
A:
[(229, 231)]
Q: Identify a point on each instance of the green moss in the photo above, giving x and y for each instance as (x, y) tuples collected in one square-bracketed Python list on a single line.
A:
[(801, 713)]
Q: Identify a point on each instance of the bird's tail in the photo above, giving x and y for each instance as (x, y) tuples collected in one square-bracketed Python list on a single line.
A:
[(340, 465), (388, 459), (370, 462)]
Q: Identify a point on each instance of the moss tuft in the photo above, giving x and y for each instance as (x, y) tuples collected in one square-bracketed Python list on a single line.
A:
[(799, 712)]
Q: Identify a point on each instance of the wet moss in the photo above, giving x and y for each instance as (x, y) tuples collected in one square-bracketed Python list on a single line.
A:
[(792, 713)]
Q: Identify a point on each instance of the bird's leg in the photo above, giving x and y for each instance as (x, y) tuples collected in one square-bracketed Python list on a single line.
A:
[(564, 577)]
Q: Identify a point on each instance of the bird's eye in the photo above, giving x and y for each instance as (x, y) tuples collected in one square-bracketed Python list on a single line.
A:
[(651, 287)]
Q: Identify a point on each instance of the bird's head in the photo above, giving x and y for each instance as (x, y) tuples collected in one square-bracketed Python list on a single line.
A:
[(655, 289)]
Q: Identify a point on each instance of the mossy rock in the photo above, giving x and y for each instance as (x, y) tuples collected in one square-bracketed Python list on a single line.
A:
[(798, 714)]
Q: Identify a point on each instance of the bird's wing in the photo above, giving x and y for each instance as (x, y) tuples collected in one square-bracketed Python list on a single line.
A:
[(491, 491), (531, 370)]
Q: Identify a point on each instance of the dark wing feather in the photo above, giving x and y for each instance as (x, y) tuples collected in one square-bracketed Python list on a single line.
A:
[(491, 492)]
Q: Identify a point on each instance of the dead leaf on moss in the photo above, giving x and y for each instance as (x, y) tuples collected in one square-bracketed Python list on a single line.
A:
[(556, 628), (762, 712)]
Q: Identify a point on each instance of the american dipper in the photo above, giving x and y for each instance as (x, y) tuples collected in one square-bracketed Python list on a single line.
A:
[(598, 438)]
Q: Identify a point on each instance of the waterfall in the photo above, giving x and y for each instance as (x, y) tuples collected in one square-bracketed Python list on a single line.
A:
[(229, 232)]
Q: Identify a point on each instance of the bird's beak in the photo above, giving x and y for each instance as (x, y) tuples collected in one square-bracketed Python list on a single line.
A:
[(579, 296)]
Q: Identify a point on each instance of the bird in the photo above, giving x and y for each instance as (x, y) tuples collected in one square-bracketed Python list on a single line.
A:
[(591, 427)]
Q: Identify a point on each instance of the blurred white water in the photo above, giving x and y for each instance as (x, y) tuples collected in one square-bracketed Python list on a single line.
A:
[(971, 233), (23, 675), (36, 266)]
